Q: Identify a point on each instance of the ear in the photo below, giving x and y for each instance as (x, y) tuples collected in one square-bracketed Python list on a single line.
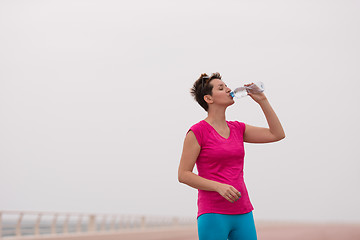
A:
[(208, 99)]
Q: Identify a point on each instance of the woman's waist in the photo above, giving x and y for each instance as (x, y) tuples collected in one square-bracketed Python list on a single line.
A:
[(228, 178)]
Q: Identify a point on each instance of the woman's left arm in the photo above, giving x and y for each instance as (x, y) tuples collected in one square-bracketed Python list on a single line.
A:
[(274, 133)]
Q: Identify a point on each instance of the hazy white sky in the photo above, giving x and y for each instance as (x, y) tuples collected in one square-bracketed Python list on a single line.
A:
[(95, 103)]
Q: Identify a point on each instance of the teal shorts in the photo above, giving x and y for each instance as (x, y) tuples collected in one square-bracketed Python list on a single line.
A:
[(214, 226)]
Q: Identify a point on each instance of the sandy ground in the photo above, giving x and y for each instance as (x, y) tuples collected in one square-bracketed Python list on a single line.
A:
[(308, 231), (265, 232)]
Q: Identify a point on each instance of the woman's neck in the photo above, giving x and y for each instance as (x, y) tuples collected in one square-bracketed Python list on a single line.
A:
[(216, 117)]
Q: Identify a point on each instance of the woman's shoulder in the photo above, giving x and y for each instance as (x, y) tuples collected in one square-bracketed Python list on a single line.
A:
[(200, 131), (236, 124), (199, 125)]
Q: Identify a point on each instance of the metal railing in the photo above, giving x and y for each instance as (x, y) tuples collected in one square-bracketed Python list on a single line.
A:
[(31, 223)]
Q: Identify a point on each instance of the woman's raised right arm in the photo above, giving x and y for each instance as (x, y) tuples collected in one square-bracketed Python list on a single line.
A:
[(189, 155)]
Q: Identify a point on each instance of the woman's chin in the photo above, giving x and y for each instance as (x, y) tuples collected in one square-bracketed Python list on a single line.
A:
[(231, 103)]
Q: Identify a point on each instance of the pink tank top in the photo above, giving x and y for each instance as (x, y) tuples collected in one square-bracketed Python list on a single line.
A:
[(222, 160)]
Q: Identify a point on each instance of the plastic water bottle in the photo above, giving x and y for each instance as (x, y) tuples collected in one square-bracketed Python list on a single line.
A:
[(240, 92)]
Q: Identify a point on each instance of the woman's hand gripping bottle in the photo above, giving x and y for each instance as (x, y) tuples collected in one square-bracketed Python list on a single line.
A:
[(240, 92)]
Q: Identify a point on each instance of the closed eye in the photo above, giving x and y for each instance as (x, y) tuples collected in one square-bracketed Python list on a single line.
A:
[(221, 86)]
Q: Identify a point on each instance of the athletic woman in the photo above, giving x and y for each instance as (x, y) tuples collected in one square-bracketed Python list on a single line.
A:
[(216, 146)]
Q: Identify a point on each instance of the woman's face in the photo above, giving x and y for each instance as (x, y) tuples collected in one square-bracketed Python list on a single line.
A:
[(221, 93)]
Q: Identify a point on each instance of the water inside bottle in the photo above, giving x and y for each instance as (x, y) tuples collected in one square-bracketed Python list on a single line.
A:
[(239, 92), (243, 91)]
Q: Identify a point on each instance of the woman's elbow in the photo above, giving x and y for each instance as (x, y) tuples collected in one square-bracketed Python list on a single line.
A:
[(181, 177), (282, 136), (276, 138)]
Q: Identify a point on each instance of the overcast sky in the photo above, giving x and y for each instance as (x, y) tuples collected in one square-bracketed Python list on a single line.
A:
[(95, 103)]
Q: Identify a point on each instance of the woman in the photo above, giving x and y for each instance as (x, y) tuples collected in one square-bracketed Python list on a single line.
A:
[(216, 146)]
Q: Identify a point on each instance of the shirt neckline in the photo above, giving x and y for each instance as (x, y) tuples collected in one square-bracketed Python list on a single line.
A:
[(219, 133)]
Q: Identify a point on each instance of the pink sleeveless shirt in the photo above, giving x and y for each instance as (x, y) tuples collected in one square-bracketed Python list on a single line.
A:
[(221, 160)]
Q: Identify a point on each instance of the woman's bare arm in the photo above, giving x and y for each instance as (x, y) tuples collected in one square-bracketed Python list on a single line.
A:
[(189, 155), (274, 133)]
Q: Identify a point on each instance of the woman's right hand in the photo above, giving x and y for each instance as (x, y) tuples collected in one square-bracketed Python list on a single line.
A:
[(228, 192)]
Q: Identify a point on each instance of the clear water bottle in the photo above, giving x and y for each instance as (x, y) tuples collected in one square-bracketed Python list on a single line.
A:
[(240, 92)]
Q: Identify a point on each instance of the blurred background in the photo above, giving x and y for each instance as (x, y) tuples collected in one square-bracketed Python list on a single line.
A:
[(95, 103)]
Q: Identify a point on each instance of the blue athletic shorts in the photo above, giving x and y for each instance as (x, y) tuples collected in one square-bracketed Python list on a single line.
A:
[(214, 226)]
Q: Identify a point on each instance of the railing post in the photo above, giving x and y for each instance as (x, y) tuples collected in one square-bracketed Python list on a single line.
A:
[(121, 222), (53, 225), (78, 227), (103, 223), (128, 221), (66, 224), (113, 223), (37, 224), (143, 222), (92, 222), (0, 225), (18, 225), (175, 222)]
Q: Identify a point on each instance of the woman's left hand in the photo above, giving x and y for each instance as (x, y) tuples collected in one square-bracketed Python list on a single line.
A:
[(257, 97)]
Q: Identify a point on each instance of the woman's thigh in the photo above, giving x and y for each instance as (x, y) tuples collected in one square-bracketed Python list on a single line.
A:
[(243, 227), (213, 226)]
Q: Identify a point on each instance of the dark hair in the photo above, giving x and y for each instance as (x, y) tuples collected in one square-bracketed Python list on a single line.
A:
[(203, 87)]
